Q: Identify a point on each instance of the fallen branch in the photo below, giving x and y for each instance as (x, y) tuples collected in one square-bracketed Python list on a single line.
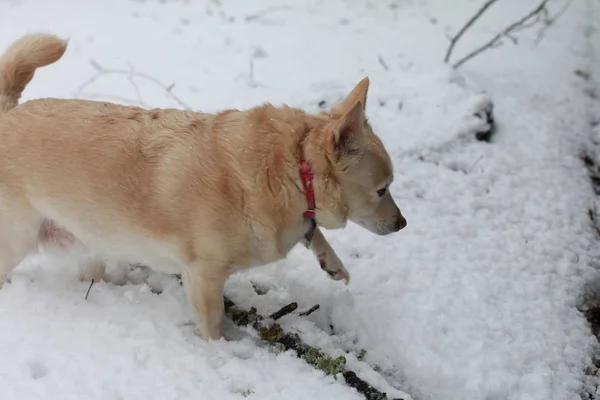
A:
[(274, 334)]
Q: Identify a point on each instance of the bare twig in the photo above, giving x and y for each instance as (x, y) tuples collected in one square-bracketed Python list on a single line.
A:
[(284, 311), (131, 79), (309, 311), (462, 30), (516, 26), (132, 74), (383, 63), (258, 53), (549, 21), (89, 288)]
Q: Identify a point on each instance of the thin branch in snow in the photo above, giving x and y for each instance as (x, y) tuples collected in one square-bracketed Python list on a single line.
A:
[(132, 75), (131, 79), (309, 311), (527, 21), (89, 288), (258, 53), (383, 63), (470, 22), (549, 21)]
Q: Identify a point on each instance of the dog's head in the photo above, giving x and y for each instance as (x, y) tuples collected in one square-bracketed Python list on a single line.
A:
[(356, 171)]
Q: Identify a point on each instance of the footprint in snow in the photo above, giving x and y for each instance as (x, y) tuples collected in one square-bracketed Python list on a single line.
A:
[(38, 369)]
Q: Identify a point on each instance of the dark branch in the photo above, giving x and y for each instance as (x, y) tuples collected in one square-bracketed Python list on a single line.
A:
[(462, 30), (549, 21), (519, 25), (89, 288), (284, 311), (309, 311)]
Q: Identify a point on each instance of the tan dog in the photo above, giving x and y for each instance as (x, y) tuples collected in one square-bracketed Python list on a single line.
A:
[(33, 51), (201, 195)]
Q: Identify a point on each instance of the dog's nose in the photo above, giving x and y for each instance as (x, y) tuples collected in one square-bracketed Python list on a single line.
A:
[(399, 223)]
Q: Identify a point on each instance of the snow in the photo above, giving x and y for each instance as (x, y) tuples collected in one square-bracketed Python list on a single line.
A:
[(476, 299)]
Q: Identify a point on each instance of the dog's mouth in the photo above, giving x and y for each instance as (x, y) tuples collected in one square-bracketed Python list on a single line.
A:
[(383, 227)]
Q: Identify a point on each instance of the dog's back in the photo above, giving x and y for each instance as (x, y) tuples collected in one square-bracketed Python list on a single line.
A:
[(127, 171)]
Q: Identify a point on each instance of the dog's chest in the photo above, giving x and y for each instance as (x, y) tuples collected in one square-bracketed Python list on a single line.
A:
[(270, 246)]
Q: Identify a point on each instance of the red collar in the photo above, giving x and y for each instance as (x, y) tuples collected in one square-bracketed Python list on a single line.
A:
[(307, 175)]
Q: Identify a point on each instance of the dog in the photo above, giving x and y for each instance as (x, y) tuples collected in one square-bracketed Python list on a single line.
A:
[(18, 59), (190, 193)]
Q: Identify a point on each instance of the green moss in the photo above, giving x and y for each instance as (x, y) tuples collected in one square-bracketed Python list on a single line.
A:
[(271, 334), (243, 317), (327, 364)]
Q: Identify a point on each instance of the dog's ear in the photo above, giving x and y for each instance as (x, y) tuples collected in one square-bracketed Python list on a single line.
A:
[(358, 94), (347, 129)]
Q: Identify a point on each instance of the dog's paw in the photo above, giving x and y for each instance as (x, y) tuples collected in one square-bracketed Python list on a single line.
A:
[(333, 266), (208, 335), (339, 275)]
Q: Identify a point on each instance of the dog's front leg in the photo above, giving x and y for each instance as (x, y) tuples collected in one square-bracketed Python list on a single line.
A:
[(204, 290), (328, 259)]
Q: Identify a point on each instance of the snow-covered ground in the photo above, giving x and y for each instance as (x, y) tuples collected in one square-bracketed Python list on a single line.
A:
[(475, 300)]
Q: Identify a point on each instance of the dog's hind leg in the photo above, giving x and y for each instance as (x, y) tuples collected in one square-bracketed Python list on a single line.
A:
[(19, 227), (204, 290), (54, 238)]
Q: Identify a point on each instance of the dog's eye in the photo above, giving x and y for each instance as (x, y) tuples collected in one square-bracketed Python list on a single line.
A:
[(381, 192)]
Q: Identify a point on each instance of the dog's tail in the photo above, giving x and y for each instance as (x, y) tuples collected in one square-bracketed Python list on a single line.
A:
[(19, 62)]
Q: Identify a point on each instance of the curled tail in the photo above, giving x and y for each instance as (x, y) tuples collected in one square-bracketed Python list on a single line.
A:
[(19, 62)]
